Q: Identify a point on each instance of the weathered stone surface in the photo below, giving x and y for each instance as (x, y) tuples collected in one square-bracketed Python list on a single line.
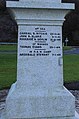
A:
[(4, 93), (39, 91)]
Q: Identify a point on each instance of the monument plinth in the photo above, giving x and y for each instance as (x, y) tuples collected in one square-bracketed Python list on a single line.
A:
[(38, 91)]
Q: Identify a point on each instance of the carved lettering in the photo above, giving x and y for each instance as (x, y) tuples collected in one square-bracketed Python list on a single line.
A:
[(40, 41)]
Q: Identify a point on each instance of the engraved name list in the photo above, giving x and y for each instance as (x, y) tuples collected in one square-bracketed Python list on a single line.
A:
[(39, 41)]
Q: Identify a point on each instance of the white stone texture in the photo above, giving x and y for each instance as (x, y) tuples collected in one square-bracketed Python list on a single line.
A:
[(32, 104), (39, 91), (38, 4), (38, 68), (76, 115), (57, 1)]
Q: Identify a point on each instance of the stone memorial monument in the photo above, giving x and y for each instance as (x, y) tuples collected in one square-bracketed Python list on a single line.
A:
[(39, 92)]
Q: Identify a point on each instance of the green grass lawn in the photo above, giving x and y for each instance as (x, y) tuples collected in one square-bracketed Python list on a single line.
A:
[(67, 48), (8, 47), (71, 68), (8, 68)]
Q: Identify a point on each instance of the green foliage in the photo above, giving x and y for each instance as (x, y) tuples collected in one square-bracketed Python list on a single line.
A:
[(71, 24)]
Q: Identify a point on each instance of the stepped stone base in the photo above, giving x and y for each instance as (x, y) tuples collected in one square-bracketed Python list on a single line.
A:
[(57, 105), (76, 117)]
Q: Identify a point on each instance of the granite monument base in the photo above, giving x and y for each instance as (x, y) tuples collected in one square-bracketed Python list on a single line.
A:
[(45, 118), (57, 104)]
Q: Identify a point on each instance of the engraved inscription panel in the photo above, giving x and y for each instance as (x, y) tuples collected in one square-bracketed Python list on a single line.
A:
[(40, 41)]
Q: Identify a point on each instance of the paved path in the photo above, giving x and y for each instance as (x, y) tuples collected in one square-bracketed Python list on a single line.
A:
[(3, 95), (72, 51), (76, 94), (8, 52)]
